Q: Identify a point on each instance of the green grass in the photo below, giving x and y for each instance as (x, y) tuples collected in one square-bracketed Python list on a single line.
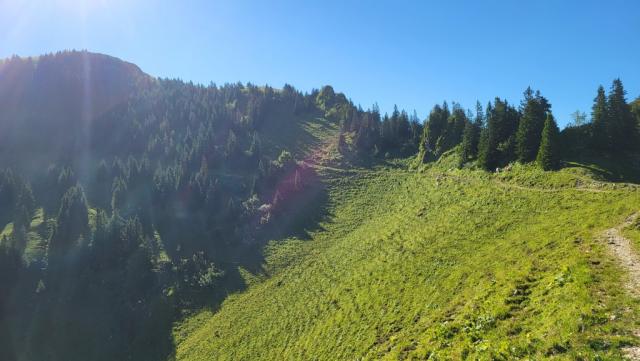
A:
[(36, 246), (305, 136), (438, 263), (7, 231), (633, 234), (37, 234), (300, 135)]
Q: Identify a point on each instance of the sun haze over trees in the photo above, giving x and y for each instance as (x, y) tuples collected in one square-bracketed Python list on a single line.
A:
[(117, 219)]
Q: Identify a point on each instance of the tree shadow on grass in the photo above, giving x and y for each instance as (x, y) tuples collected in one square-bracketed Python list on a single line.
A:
[(622, 168), (299, 214)]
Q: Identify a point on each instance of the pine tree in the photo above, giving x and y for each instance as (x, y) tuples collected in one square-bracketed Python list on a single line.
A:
[(623, 128), (232, 144), (497, 139), (100, 189), (416, 131), (10, 267), (435, 128), (471, 135), (72, 221), (101, 243), (549, 153), (600, 121), (118, 195), (534, 108), (479, 119), (487, 151), (469, 147), (505, 120), (404, 130), (455, 128), (483, 145)]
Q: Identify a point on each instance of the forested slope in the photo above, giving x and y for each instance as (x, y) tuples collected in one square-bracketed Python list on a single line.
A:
[(127, 199)]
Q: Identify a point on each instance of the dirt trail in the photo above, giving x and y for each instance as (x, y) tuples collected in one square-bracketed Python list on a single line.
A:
[(622, 249)]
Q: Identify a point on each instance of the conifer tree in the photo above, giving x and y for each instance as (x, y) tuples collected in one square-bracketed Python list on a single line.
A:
[(623, 128), (534, 108), (487, 150), (118, 195), (435, 127), (72, 221), (549, 153), (10, 267), (415, 130), (472, 133), (469, 147), (101, 187), (497, 139), (479, 119), (488, 144), (600, 120), (455, 128), (482, 140)]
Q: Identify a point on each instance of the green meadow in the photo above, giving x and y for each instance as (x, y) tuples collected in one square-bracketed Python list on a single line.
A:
[(436, 263)]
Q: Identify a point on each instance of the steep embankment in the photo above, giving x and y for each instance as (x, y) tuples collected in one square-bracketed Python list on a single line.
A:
[(443, 263)]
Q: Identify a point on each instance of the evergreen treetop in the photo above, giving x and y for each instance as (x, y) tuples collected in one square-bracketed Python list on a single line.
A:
[(549, 154)]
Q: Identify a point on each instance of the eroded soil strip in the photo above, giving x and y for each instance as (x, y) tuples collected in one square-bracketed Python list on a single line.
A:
[(621, 247)]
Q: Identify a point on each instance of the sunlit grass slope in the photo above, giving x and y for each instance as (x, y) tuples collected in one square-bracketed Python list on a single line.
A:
[(439, 263), (37, 235)]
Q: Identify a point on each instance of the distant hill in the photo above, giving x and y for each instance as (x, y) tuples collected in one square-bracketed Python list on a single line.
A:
[(70, 85), (111, 177), (50, 102)]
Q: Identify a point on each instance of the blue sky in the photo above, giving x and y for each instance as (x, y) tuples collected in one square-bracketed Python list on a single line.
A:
[(410, 53)]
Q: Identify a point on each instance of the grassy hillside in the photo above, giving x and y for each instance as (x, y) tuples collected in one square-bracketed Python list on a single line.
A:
[(437, 263)]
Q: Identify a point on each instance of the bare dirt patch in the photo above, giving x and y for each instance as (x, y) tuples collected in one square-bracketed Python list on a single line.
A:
[(622, 249)]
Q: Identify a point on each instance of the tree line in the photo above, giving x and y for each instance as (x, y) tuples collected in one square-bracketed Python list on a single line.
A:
[(502, 133)]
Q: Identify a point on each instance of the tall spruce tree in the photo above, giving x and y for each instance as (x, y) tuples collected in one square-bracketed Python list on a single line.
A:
[(623, 128), (498, 141), (433, 132), (600, 121), (455, 128), (435, 127), (549, 154), (72, 221), (534, 108), (488, 145), (479, 119), (469, 147)]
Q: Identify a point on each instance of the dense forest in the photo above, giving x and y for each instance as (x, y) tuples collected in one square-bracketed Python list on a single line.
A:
[(503, 133), (126, 200), (143, 200)]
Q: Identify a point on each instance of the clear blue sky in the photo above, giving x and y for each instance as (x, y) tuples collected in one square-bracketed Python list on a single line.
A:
[(410, 53)]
